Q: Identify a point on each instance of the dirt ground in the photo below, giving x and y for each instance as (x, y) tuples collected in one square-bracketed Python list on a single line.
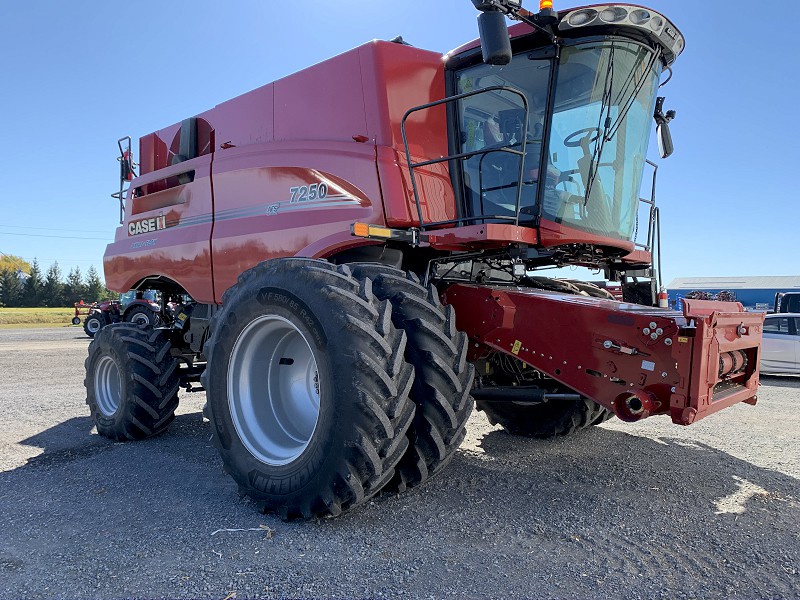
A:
[(649, 510)]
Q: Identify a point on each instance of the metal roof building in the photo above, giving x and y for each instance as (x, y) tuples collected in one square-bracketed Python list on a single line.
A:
[(754, 292)]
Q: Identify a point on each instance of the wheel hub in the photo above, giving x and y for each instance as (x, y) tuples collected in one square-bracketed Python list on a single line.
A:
[(141, 319), (273, 390), (107, 386)]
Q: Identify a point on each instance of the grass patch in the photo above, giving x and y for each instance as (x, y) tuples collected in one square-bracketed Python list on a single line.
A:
[(40, 326), (36, 317)]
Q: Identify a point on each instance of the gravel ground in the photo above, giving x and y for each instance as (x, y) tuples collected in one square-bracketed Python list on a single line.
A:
[(649, 510)]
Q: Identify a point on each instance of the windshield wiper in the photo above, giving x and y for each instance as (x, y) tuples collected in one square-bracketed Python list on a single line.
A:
[(626, 106), (602, 134), (610, 127)]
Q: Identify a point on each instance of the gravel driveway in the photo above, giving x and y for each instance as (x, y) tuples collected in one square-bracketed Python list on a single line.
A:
[(650, 510)]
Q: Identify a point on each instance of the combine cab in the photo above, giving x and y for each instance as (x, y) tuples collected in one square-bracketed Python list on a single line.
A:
[(356, 254)]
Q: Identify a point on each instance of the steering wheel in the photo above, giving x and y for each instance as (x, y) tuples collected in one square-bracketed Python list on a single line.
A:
[(576, 138)]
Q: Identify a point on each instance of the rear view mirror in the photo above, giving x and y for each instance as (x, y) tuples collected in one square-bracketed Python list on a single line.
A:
[(495, 43), (665, 147), (664, 140)]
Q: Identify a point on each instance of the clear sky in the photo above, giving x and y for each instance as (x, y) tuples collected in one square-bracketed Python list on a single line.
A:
[(75, 77)]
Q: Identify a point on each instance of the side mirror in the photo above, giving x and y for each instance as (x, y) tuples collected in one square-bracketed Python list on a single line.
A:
[(495, 43), (665, 147)]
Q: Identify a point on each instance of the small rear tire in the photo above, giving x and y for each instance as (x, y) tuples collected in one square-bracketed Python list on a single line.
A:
[(76, 320), (131, 382)]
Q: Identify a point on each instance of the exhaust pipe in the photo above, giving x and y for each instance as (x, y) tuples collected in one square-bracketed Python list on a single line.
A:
[(635, 405)]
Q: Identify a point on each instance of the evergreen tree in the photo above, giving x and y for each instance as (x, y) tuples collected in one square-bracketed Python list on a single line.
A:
[(94, 285), (74, 290), (10, 288), (32, 296), (53, 290)]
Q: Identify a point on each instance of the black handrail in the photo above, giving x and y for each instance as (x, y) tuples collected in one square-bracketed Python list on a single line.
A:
[(508, 149)]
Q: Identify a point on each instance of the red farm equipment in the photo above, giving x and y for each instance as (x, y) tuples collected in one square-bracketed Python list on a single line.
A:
[(350, 271), (138, 307)]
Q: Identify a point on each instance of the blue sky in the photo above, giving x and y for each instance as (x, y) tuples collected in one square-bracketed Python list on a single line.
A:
[(77, 76)]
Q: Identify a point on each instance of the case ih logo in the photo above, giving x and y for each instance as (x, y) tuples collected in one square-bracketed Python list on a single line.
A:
[(147, 225)]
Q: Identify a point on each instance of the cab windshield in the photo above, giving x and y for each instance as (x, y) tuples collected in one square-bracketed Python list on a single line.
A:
[(599, 128), (602, 114)]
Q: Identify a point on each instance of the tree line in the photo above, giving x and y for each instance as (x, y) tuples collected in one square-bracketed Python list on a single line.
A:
[(50, 288)]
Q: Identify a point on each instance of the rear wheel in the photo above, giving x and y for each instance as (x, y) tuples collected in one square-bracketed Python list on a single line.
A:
[(142, 316), (94, 322), (76, 320), (443, 377), (545, 420), (307, 388), (131, 382)]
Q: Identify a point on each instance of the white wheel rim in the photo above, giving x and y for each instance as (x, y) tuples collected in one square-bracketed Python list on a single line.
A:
[(107, 386), (273, 390), (141, 319)]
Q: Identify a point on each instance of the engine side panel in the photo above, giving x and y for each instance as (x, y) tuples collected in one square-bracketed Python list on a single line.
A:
[(277, 200)]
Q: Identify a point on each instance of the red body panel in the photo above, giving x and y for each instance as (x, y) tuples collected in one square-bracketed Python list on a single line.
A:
[(181, 251), (247, 232), (337, 123)]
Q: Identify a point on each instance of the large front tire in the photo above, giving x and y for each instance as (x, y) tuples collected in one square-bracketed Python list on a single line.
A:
[(307, 388), (443, 377), (131, 382)]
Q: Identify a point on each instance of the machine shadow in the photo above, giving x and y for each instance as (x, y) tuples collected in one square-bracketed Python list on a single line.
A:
[(74, 440)]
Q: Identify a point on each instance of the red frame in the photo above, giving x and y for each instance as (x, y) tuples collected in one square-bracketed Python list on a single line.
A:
[(604, 350)]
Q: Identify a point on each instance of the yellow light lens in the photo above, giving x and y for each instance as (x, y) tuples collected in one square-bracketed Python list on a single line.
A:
[(379, 232), (361, 229), (543, 4)]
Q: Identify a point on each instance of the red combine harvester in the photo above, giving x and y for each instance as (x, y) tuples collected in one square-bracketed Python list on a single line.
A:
[(353, 255)]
